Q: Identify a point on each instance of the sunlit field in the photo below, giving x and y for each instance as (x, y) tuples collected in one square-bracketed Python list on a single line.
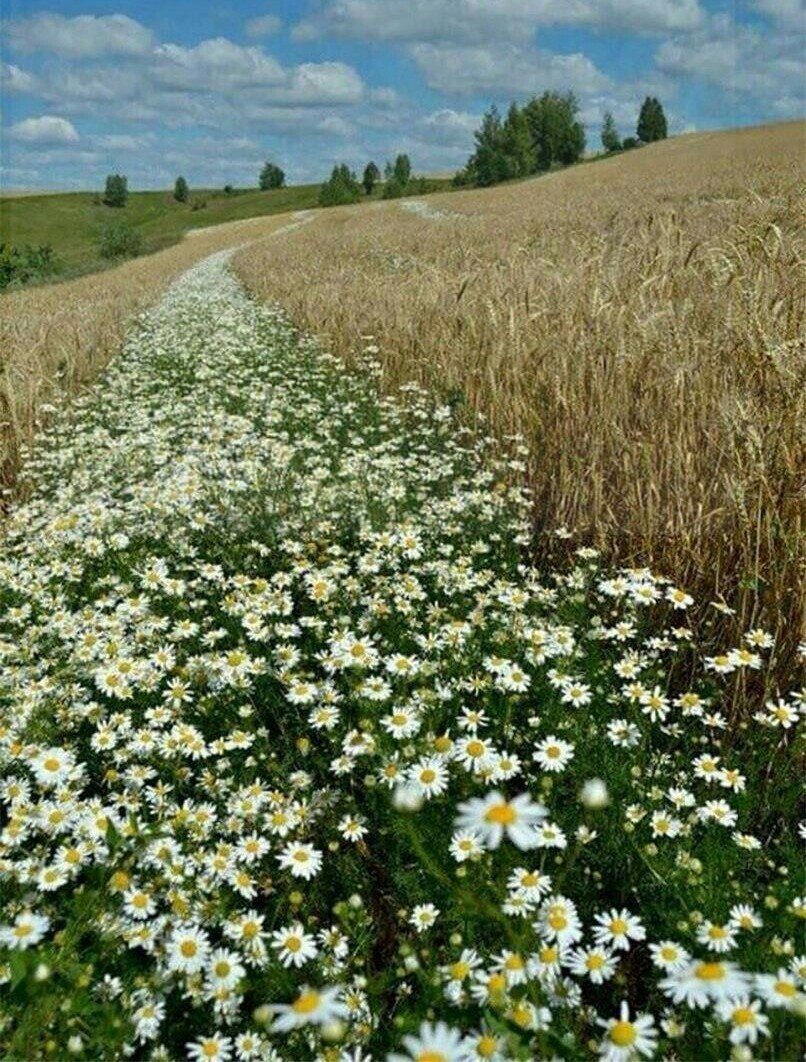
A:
[(639, 319), (304, 758)]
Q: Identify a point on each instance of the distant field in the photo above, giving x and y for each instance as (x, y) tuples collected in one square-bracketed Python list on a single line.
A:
[(639, 320), (72, 223)]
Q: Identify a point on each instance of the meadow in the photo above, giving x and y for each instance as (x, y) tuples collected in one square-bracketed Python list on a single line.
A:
[(639, 320), (362, 696)]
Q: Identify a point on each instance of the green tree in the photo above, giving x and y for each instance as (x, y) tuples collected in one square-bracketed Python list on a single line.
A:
[(117, 190), (341, 187), (610, 137), (651, 121), (371, 177), (487, 165), (181, 190), (271, 176), (516, 143), (401, 171), (558, 137)]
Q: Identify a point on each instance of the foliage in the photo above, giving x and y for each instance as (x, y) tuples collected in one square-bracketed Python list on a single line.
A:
[(121, 240), (304, 759), (181, 190), (558, 136), (543, 133), (630, 142), (117, 190), (271, 176), (371, 177), (19, 265), (610, 138), (199, 204), (651, 121), (342, 187), (399, 170)]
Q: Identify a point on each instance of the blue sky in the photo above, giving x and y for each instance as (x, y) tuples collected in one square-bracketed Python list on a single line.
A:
[(153, 88)]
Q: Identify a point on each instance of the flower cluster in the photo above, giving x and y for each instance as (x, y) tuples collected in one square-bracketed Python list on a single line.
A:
[(301, 758)]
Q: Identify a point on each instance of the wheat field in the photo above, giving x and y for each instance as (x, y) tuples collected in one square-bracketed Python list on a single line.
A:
[(639, 320), (56, 338)]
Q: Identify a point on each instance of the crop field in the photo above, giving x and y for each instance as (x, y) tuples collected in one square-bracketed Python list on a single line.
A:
[(638, 319), (361, 693)]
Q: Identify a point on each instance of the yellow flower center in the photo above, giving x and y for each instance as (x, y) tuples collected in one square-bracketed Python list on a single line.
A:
[(250, 930), (553, 752), (210, 1049), (293, 943), (222, 968), (618, 926), (784, 988), (431, 1056), (514, 962), (188, 948), (594, 962), (486, 1046), (744, 1016), (710, 971), (475, 748), (427, 776), (51, 764), (623, 1033), (307, 1003), (460, 970), (22, 930), (557, 920), (501, 814), (717, 932)]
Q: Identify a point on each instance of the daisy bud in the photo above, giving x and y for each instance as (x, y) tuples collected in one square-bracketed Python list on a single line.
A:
[(333, 1031), (594, 794), (262, 1014), (75, 1045), (407, 798), (42, 972)]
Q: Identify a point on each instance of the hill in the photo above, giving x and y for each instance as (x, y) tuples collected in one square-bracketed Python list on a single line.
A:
[(638, 320), (72, 222)]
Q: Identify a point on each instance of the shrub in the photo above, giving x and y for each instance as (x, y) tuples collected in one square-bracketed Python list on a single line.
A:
[(120, 241), (199, 204), (371, 177), (117, 190), (651, 121), (181, 190), (18, 265), (610, 137)]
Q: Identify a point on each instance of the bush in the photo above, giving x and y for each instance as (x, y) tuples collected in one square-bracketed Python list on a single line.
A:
[(342, 187), (117, 190), (630, 142), (18, 265), (181, 190), (120, 241), (199, 204)]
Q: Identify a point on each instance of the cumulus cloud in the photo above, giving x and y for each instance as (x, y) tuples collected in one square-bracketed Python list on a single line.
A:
[(213, 64), (13, 79), (451, 127), (505, 68), (48, 129), (264, 26), (478, 21), (81, 37)]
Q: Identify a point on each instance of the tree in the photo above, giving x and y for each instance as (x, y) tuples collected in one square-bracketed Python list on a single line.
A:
[(401, 171), (651, 121), (487, 165), (181, 190), (558, 137), (341, 187), (117, 190), (610, 137), (516, 143), (271, 176), (371, 176)]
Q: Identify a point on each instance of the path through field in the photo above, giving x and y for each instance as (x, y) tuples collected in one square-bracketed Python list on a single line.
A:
[(302, 760)]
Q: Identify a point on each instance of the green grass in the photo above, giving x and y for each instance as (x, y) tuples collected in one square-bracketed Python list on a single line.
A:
[(72, 222)]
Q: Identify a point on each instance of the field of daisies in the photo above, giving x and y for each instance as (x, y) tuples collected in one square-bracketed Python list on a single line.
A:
[(300, 758)]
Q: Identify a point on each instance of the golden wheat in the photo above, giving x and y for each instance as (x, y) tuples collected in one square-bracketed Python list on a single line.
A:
[(56, 338), (638, 319)]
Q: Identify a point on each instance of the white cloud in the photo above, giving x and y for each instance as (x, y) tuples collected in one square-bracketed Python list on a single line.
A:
[(48, 129), (13, 79), (212, 65), (451, 127), (480, 21), (764, 67), (80, 37), (264, 26), (335, 125), (317, 83), (505, 68)]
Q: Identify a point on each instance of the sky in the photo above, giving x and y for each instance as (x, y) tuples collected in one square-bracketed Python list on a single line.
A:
[(155, 88)]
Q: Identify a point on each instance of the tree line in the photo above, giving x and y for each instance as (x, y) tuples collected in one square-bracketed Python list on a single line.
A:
[(542, 134), (545, 133)]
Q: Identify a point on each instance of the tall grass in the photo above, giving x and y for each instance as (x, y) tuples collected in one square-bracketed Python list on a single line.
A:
[(639, 320)]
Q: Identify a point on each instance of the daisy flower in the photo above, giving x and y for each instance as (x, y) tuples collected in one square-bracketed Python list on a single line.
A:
[(303, 860), (293, 945), (435, 1042), (624, 1037), (493, 817), (27, 929), (747, 1020), (616, 929), (313, 1006), (553, 754), (701, 983)]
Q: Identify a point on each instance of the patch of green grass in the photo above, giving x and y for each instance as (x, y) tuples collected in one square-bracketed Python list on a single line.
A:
[(72, 223)]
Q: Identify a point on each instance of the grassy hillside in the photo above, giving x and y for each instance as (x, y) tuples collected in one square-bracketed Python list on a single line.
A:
[(72, 223), (638, 320)]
